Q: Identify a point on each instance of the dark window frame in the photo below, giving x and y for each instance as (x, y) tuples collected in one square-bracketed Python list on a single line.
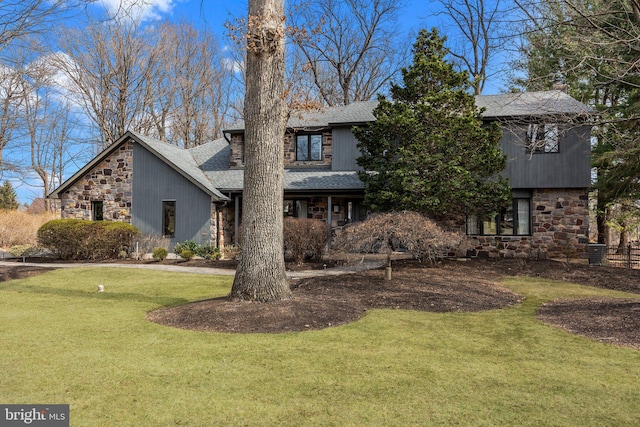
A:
[(543, 138), (308, 146), (292, 208), (97, 210), (169, 218), (476, 226)]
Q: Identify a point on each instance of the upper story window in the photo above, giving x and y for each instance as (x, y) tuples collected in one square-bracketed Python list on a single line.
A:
[(543, 138), (309, 147)]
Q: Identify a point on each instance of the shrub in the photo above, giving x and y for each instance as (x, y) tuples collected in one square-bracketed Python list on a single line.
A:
[(24, 250), (147, 243), (304, 238), (81, 239), (209, 252), (160, 253), (205, 251), (187, 254), (186, 245), (386, 232), (230, 252)]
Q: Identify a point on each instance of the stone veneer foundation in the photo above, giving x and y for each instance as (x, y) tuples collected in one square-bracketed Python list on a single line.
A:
[(109, 182), (559, 228)]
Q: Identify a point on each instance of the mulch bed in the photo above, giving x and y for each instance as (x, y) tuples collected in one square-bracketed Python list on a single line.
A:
[(453, 286)]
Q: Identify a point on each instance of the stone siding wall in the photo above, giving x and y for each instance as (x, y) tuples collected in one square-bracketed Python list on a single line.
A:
[(290, 151), (237, 151), (559, 228), (236, 145), (109, 182)]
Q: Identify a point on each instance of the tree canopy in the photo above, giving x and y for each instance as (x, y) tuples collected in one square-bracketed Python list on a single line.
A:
[(8, 197), (428, 150), (592, 48)]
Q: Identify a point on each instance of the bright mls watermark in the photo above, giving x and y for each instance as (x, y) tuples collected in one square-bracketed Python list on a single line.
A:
[(34, 415)]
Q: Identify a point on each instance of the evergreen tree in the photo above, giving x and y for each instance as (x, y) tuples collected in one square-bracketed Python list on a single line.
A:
[(585, 45), (428, 150), (8, 198)]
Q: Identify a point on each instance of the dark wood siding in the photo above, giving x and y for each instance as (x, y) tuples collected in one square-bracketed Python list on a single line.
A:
[(155, 181), (568, 168), (344, 150)]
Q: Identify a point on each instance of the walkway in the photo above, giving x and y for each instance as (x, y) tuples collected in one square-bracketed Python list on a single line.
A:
[(365, 264)]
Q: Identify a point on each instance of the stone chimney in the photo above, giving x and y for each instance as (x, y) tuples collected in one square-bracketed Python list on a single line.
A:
[(561, 86)]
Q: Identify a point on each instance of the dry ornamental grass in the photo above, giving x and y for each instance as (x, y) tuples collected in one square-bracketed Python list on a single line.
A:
[(20, 228)]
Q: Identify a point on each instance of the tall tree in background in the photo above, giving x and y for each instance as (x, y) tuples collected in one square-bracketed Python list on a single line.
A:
[(260, 275), (188, 94), (49, 126), (428, 150), (593, 47), (27, 18), (480, 33), (108, 65), (20, 21), (8, 197), (10, 114), (350, 49), (169, 81)]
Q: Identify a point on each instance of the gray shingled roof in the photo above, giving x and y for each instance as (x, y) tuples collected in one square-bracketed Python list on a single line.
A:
[(530, 104), (179, 159), (213, 158), (496, 106), (354, 113), (208, 165), (182, 161)]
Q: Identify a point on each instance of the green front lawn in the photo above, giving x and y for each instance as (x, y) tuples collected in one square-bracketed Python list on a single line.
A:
[(63, 342)]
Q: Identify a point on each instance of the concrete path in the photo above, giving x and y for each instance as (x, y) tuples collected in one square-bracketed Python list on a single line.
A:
[(365, 264)]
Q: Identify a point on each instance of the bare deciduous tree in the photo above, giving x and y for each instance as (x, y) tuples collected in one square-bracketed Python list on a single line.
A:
[(350, 48), (20, 18), (48, 123), (10, 104), (108, 64), (479, 33), (261, 273), (188, 95)]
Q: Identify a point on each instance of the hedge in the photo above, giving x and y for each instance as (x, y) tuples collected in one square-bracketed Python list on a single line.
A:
[(87, 240)]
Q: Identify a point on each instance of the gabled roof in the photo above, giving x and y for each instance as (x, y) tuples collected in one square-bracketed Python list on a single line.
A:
[(177, 158), (207, 165), (353, 114), (532, 104), (552, 102)]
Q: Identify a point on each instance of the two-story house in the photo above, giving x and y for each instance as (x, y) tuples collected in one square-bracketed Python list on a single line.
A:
[(196, 194)]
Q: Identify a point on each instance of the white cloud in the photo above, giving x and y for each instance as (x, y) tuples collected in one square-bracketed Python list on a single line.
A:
[(138, 10)]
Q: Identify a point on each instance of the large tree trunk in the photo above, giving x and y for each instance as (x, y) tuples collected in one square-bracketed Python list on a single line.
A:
[(261, 273)]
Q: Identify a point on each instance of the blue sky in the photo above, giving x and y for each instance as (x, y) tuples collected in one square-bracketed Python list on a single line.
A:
[(213, 14)]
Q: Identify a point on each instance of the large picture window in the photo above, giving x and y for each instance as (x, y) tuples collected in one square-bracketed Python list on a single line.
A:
[(309, 147), (513, 221), (169, 218)]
